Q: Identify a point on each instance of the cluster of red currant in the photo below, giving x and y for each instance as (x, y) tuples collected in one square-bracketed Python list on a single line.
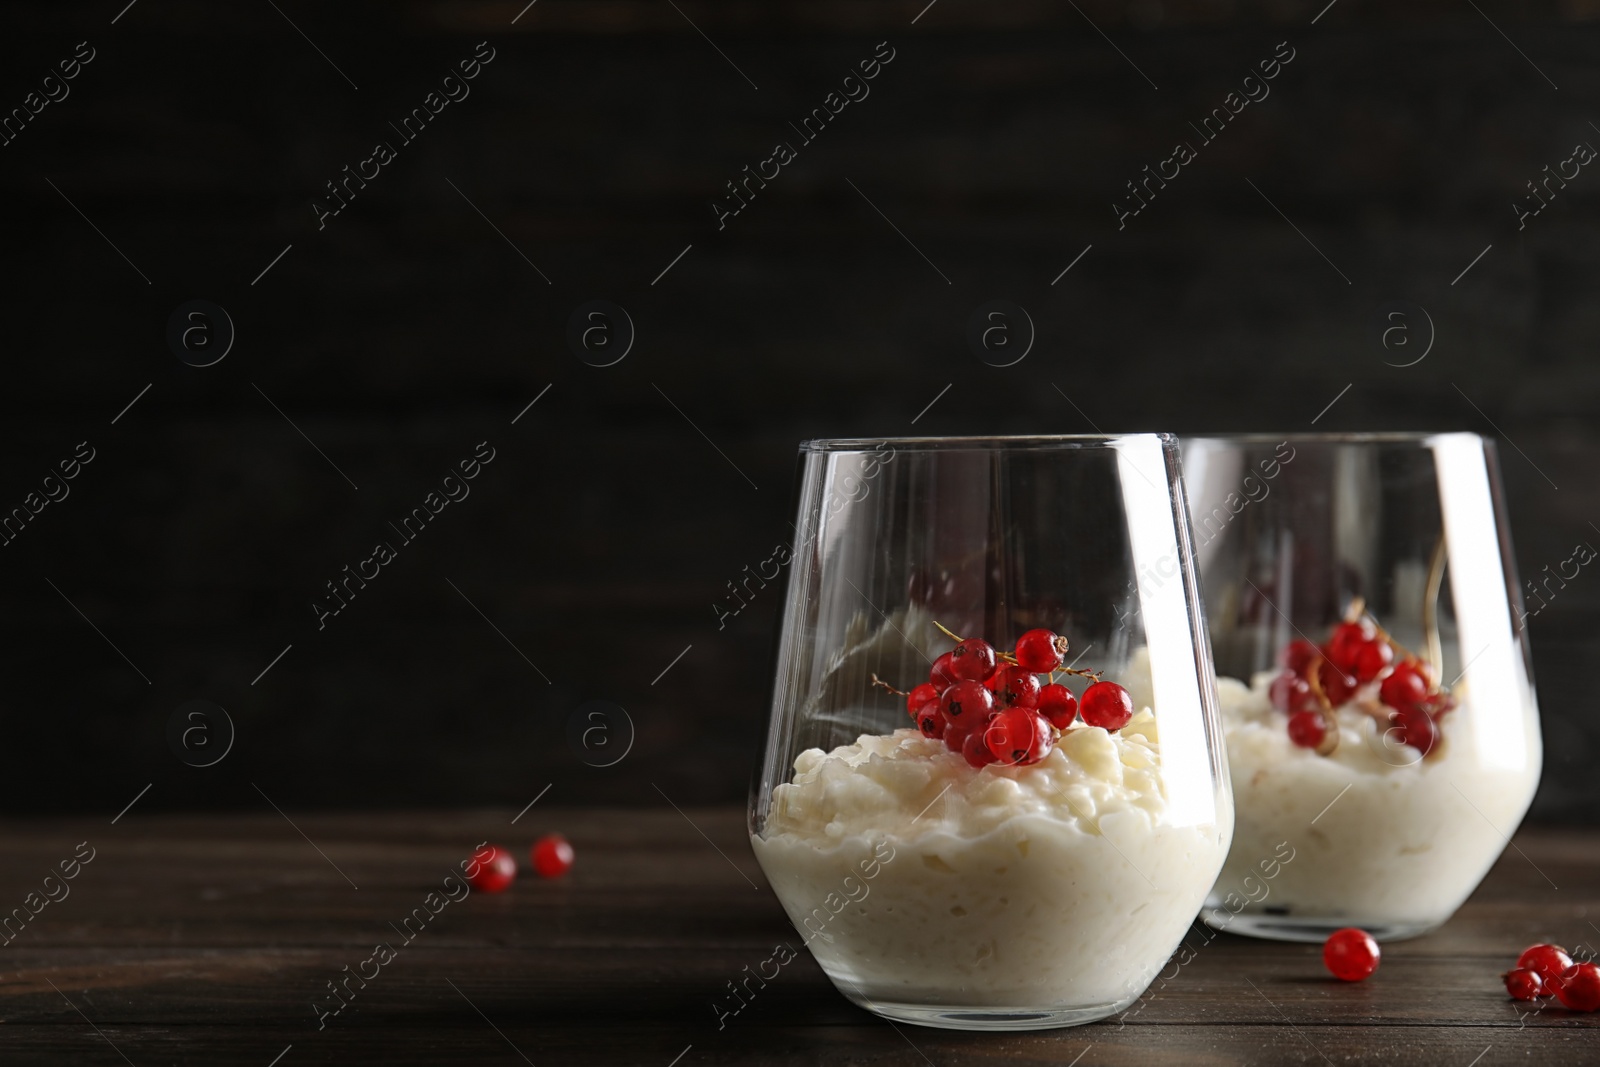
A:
[(1541, 971), (1545, 969), (991, 707), (492, 869), (1409, 699)]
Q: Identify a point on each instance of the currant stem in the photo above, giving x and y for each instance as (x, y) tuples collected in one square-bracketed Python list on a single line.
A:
[(1314, 680), (1330, 736), (881, 684)]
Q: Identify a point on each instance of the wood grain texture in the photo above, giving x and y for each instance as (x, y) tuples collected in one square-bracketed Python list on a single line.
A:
[(205, 940)]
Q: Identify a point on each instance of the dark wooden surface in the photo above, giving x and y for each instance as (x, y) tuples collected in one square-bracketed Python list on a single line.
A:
[(205, 940)]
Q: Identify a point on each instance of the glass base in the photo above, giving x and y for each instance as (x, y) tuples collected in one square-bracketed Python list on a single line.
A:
[(1307, 928), (947, 1017)]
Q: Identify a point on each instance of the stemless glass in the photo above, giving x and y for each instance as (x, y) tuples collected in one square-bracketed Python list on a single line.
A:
[(932, 888), (1379, 567)]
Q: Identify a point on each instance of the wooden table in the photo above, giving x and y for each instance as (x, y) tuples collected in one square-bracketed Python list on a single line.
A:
[(207, 940)]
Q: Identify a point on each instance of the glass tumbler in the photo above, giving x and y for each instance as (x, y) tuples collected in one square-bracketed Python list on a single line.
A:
[(1006, 859), (1374, 675)]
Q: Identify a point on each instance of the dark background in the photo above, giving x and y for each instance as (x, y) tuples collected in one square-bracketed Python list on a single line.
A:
[(598, 540)]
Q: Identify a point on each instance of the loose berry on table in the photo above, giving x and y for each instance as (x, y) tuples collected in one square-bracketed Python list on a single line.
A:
[(495, 869), (552, 856), (1549, 962), (1523, 984), (1579, 987), (1350, 954)]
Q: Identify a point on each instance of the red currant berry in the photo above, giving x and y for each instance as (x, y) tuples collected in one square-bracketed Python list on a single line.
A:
[(1549, 962), (1012, 735), (491, 869), (1337, 685), (941, 676), (1372, 659), (966, 701), (1350, 954), (1039, 651), (1107, 705), (1307, 729), (1579, 987), (1437, 704), (1016, 688), (926, 693), (976, 750), (972, 660), (1298, 655), (1404, 688), (1291, 693), (956, 735), (1346, 643), (930, 721), (1058, 705), (552, 856), (1413, 727), (1523, 984), (1044, 739)]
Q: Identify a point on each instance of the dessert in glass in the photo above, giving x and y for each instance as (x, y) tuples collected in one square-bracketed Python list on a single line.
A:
[(1373, 672), (970, 821)]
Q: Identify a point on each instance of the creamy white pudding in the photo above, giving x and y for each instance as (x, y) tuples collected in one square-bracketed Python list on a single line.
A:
[(917, 880), (1381, 838)]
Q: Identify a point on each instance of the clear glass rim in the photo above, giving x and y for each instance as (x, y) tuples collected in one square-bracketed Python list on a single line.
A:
[(980, 444), (1388, 437)]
